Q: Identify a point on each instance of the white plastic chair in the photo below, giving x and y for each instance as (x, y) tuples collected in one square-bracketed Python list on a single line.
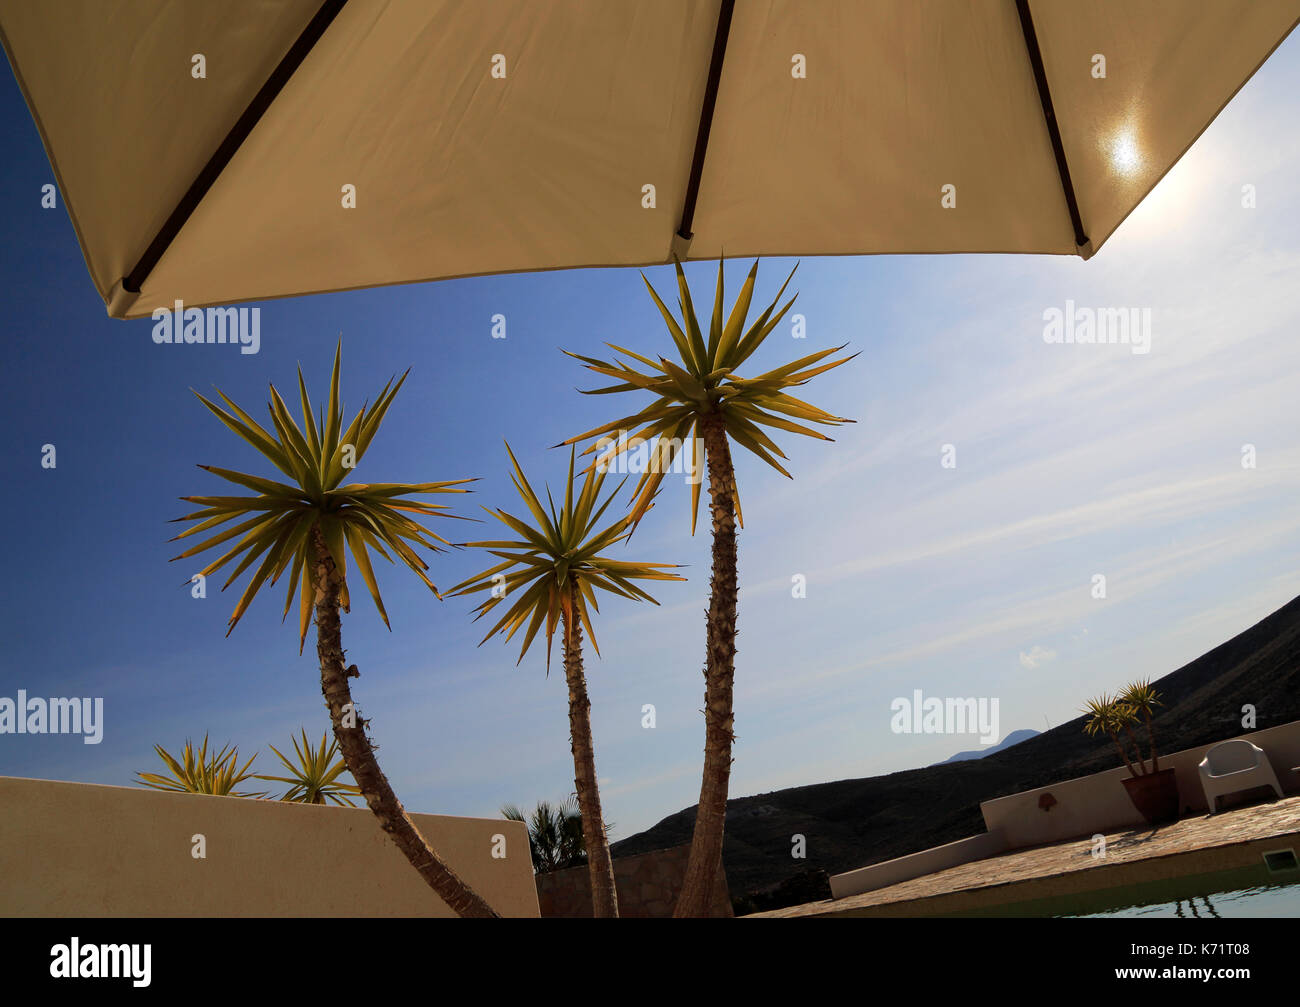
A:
[(1233, 766)]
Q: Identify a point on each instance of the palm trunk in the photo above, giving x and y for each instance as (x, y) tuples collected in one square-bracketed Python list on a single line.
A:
[(719, 671), (1151, 739), (1123, 754), (604, 893), (360, 756), (1137, 749)]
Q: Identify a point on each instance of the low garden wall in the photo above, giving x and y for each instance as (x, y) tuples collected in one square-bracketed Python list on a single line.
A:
[(916, 865), (76, 849)]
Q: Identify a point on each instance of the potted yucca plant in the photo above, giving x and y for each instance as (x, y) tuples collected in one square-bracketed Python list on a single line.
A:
[(1153, 791)]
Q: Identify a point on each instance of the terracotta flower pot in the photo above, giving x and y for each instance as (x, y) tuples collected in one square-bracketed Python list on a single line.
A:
[(1155, 796)]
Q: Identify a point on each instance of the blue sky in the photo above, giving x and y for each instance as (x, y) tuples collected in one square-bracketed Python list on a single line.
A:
[(966, 581)]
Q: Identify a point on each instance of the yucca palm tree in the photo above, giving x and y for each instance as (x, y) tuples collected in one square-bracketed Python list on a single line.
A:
[(197, 772), (700, 398), (1108, 715), (550, 575), (554, 834), (1142, 699), (304, 526), (314, 773)]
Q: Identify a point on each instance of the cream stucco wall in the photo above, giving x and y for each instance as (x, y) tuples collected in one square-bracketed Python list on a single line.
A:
[(75, 849), (1099, 802), (916, 865)]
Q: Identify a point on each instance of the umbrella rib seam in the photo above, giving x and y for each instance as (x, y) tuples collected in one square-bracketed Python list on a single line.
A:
[(232, 142), (1049, 115), (725, 12)]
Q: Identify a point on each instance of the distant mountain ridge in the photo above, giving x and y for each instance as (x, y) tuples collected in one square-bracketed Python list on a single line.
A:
[(1014, 738), (853, 823)]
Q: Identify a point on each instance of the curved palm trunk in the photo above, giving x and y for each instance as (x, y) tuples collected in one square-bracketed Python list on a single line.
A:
[(1151, 739), (604, 893), (360, 756), (1137, 749), (719, 670), (1123, 754)]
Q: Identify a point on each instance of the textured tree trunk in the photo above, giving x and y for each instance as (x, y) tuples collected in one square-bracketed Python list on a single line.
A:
[(360, 756), (604, 893), (1151, 739), (719, 670), (1137, 749), (1123, 755)]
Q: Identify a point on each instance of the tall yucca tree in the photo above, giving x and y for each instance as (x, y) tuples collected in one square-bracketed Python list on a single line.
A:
[(701, 399), (306, 526), (550, 575)]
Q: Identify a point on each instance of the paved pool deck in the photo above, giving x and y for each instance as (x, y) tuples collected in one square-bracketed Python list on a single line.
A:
[(1202, 844)]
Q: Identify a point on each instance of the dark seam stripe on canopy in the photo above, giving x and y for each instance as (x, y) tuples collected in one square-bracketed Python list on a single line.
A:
[(234, 139), (1049, 114), (684, 232)]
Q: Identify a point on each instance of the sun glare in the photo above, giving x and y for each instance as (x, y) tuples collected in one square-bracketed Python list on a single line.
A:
[(1124, 152)]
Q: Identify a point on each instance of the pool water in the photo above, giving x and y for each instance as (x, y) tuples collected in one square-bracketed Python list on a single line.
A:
[(1253, 892), (1273, 901)]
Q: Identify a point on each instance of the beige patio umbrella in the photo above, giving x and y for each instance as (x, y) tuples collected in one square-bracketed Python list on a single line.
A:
[(210, 153)]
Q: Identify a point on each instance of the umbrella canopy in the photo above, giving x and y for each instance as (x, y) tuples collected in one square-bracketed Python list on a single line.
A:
[(206, 152)]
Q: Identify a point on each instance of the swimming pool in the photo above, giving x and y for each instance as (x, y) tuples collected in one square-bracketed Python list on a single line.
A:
[(1246, 892), (1212, 899)]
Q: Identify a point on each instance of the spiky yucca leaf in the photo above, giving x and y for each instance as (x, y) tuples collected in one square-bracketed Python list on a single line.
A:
[(703, 383), (1142, 697), (314, 772), (1107, 715), (536, 569), (275, 524), (197, 772)]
